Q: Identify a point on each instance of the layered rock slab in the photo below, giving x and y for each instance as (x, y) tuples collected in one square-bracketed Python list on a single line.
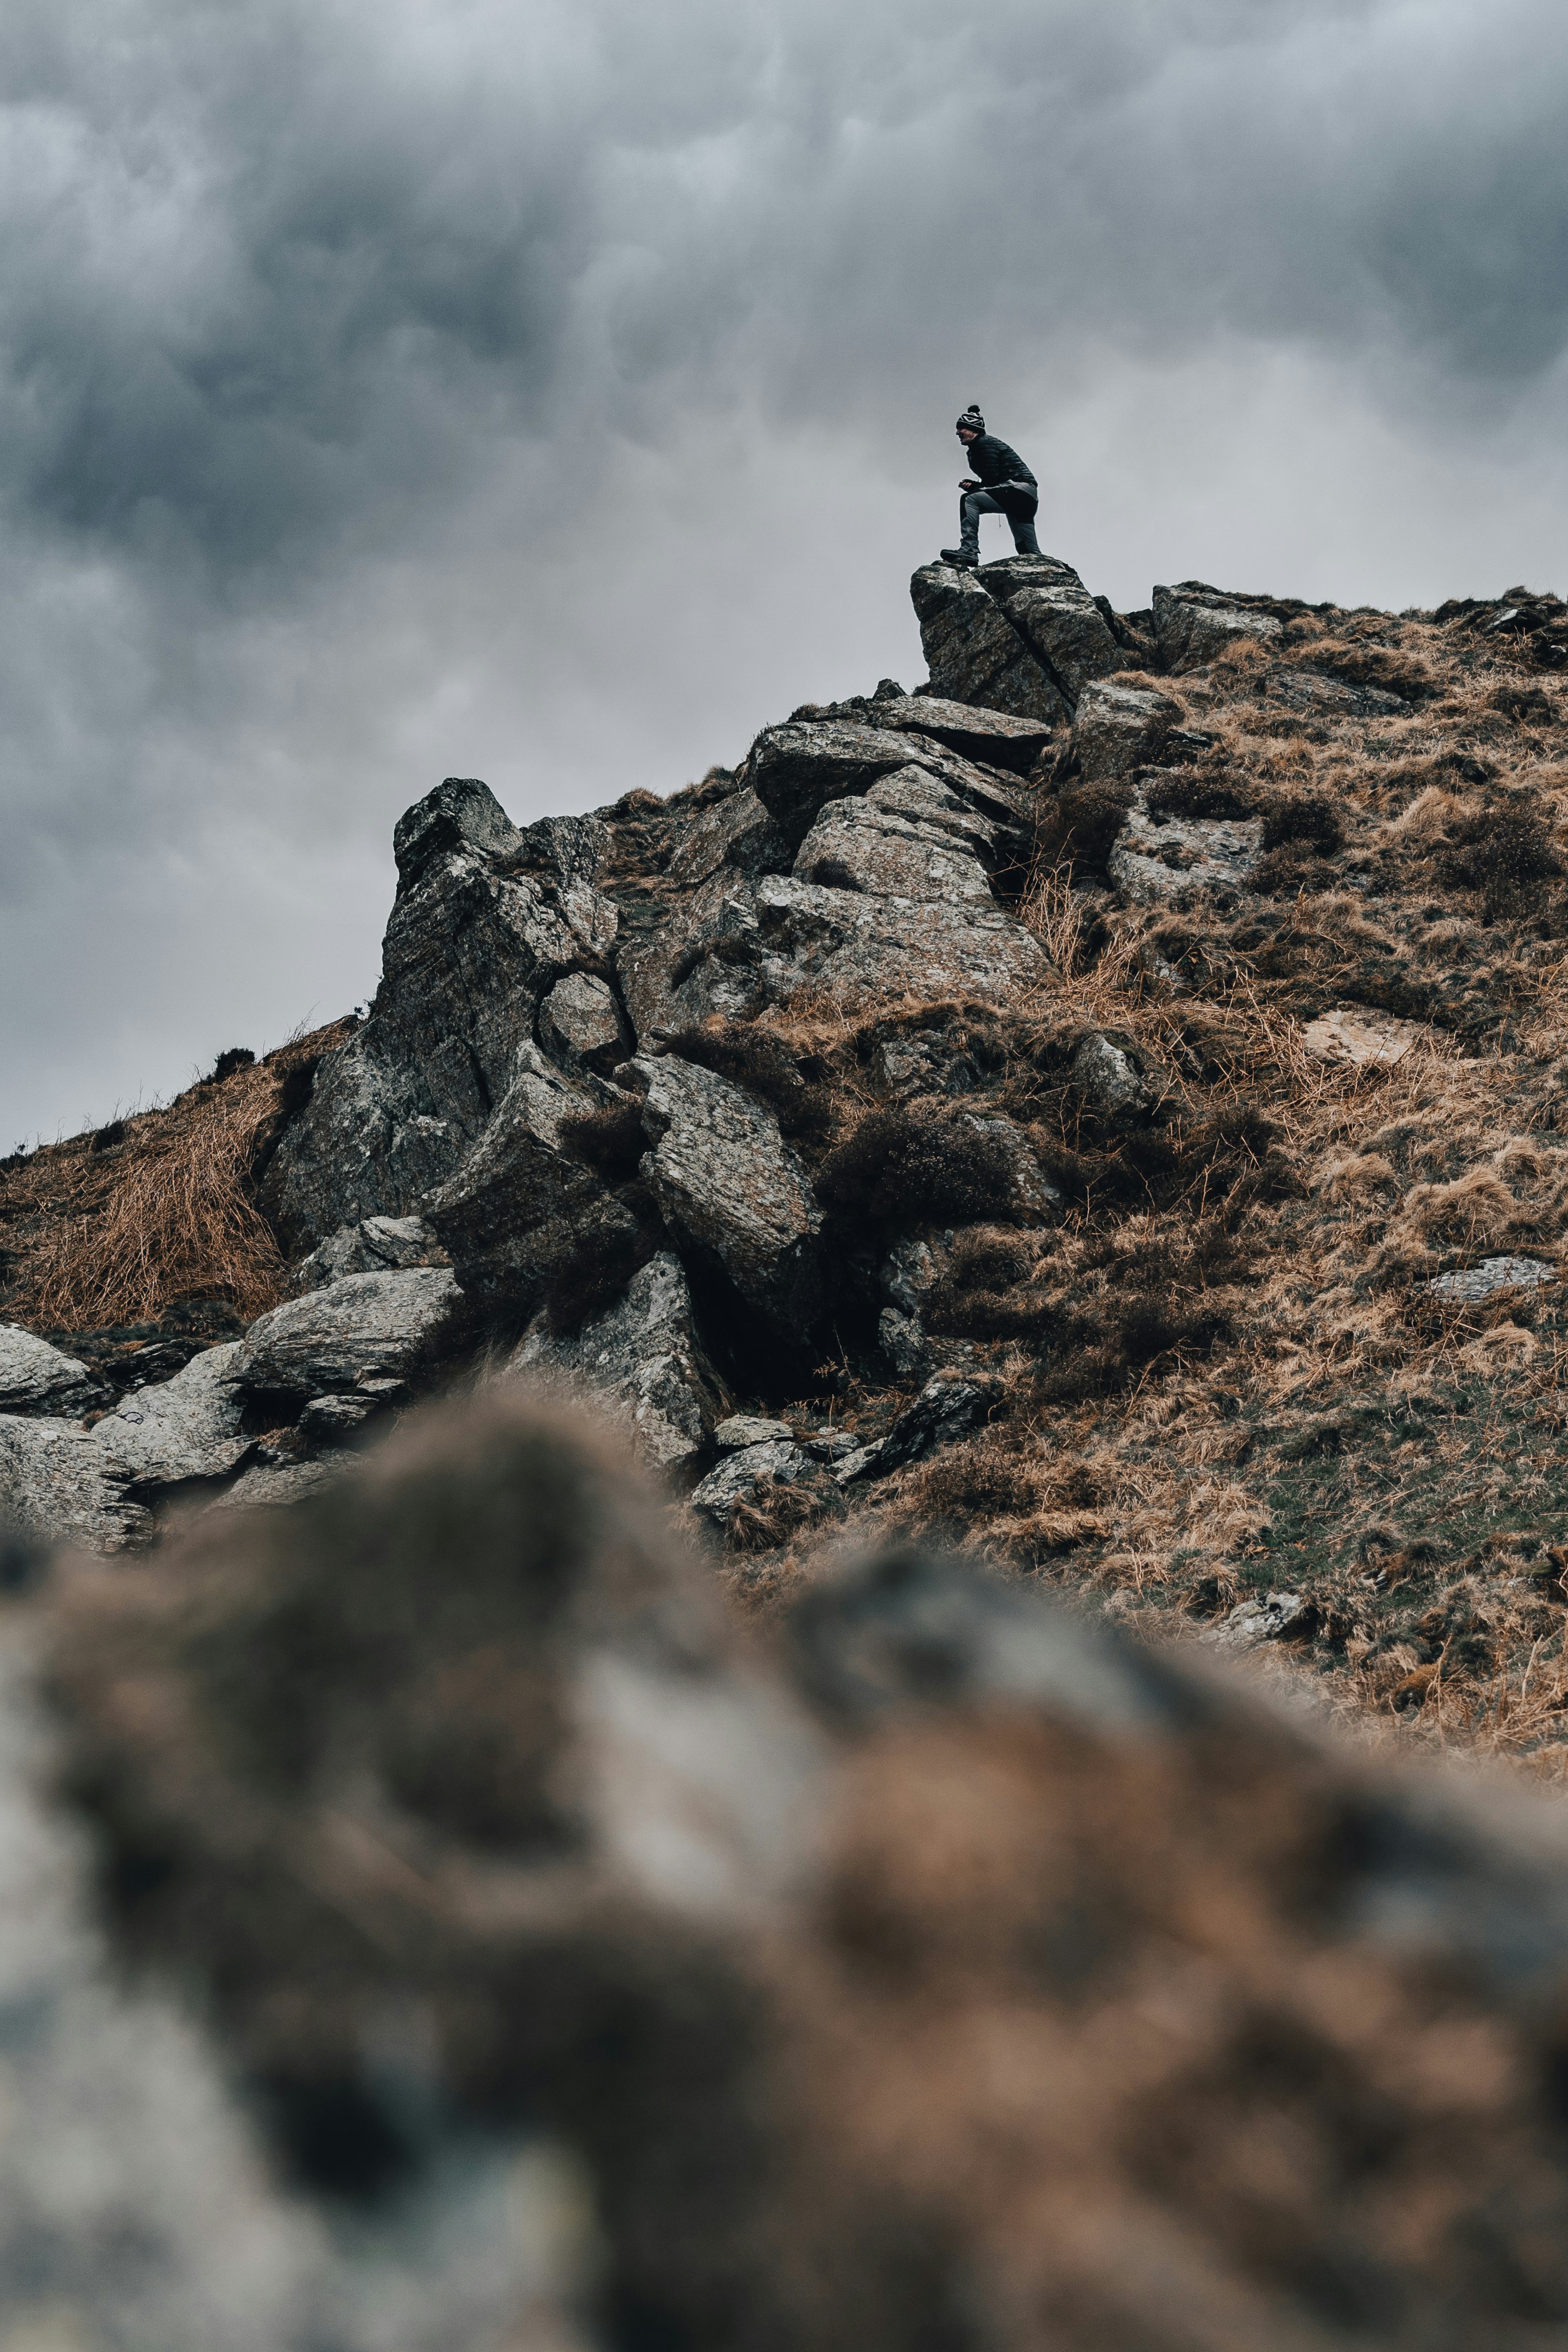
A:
[(974, 653), (368, 1327), (729, 1185), (644, 1358), (488, 918), (36, 1378)]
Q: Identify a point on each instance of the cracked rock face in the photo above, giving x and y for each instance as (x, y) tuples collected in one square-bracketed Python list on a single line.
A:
[(730, 1184), (1120, 728), (367, 1327), (644, 1358), (58, 1485), (973, 651), (486, 919), (815, 937), (189, 1427), (36, 1378), (857, 844), (1169, 859), (1192, 623), (374, 1246), (580, 1023), (1067, 630)]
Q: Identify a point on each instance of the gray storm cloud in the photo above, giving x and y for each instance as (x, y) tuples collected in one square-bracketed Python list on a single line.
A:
[(557, 394)]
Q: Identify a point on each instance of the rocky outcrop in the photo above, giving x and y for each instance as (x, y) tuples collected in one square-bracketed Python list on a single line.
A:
[(374, 1246), (1158, 858), (731, 1188), (643, 1357), (512, 1211), (1120, 728), (486, 920), (189, 1428), (973, 652), (1193, 622), (367, 1328), (59, 1486)]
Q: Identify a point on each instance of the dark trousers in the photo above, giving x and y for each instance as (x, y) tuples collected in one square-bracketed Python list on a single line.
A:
[(1017, 505)]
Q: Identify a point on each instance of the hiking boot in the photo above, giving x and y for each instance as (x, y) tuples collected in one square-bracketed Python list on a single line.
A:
[(962, 557)]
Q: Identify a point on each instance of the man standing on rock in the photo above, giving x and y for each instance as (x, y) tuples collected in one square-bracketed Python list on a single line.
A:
[(1005, 485)]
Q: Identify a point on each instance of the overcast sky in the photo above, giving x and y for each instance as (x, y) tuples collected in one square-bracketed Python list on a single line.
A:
[(557, 394)]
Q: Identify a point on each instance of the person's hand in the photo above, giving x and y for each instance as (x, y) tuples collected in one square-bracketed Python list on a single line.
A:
[(968, 483)]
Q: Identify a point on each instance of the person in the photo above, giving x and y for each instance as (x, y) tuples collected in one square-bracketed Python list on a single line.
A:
[(1005, 485)]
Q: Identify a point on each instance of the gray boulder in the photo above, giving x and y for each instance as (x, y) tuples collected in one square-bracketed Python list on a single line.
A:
[(368, 1327), (486, 919), (520, 1203), (646, 1358), (943, 1410), (580, 1023), (973, 651), (185, 1428), (700, 962), (847, 942), (1477, 1282), (1067, 630), (739, 1474), (374, 1246), (1112, 1082), (1120, 728), (856, 845), (1164, 859), (795, 770), (738, 832), (1192, 623), (730, 1186), (38, 1378), (1317, 695), (59, 1486), (750, 1429), (993, 736)]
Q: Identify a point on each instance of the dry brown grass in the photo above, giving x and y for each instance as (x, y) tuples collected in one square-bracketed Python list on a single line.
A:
[(114, 1232)]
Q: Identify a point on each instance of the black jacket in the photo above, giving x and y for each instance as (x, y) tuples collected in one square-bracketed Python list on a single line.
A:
[(992, 462)]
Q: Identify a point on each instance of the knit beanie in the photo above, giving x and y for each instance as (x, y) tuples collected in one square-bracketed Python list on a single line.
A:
[(971, 421)]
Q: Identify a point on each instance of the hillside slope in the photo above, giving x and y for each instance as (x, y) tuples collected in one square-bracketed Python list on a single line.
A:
[(1104, 1107)]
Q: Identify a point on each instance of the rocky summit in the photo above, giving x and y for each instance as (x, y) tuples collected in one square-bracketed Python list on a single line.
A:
[(1059, 1179)]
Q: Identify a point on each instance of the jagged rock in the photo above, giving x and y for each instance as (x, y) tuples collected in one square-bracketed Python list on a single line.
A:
[(1192, 623), (738, 832), (38, 1378), (739, 1474), (376, 1245), (1320, 697), (797, 769), (520, 1203), (1253, 1622), (856, 845), (1357, 1037), (644, 1356), (1166, 858), (904, 1344), (487, 918), (580, 1023), (1034, 1197), (189, 1427), (750, 1429), (328, 1420), (274, 1485), (368, 1327), (702, 962), (58, 1485), (912, 1270), (943, 1410), (1477, 1282), (1110, 1080), (1066, 629), (847, 942), (973, 651), (727, 1181), (1120, 728), (993, 736), (926, 801)]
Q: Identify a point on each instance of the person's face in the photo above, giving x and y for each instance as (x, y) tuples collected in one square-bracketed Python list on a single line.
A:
[(965, 437)]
